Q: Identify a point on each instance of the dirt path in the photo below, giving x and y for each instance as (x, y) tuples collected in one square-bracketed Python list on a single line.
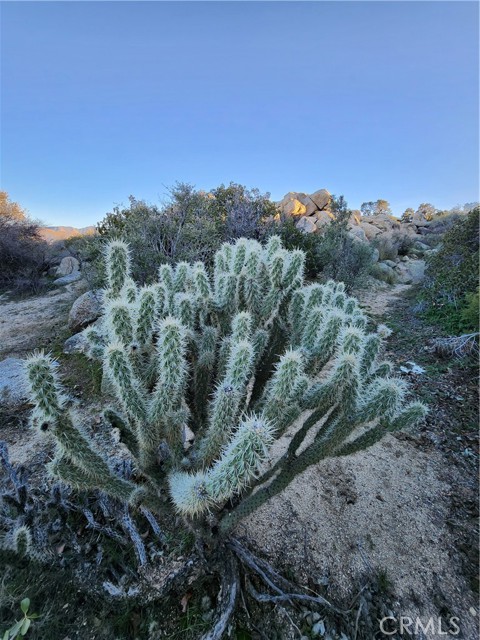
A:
[(32, 323)]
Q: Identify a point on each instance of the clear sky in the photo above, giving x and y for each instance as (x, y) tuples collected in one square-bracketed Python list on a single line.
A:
[(101, 100)]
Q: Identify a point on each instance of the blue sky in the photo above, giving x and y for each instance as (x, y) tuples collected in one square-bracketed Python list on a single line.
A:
[(367, 99)]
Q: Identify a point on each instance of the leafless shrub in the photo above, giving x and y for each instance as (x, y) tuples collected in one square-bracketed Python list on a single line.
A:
[(457, 346), (22, 254)]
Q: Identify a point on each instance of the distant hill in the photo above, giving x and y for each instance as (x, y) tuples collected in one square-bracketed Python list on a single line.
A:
[(52, 234)]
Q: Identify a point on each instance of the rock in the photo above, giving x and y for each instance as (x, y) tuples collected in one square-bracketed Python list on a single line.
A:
[(67, 266), (321, 198), (294, 208), (77, 343), (387, 270), (13, 388), (307, 225), (85, 310), (375, 255), (323, 218), (297, 204), (403, 273), (410, 272), (310, 206), (354, 219), (371, 231), (359, 234), (72, 277), (390, 263), (417, 269), (421, 246), (318, 629), (419, 220), (409, 228)]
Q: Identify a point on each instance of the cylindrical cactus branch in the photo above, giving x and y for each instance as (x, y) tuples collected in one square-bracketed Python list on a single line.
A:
[(117, 263), (241, 354)]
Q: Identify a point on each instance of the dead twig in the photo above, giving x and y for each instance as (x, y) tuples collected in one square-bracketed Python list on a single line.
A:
[(226, 599)]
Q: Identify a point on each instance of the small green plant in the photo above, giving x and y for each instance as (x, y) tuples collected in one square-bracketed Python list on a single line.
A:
[(451, 277), (21, 627)]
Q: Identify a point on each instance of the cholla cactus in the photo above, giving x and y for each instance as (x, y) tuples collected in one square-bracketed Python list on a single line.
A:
[(237, 355)]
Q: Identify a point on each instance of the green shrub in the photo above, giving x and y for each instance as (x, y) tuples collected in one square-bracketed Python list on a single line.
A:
[(89, 252), (334, 253), (452, 274), (383, 275), (191, 226), (470, 312)]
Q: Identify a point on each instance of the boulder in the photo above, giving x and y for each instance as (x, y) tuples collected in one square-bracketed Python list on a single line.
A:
[(306, 224), (390, 263), (297, 204), (85, 310), (354, 219), (358, 234), (384, 222), (294, 208), (77, 343), (387, 270), (409, 228), (410, 272), (323, 218), (419, 220), (421, 246), (417, 269), (371, 231), (321, 198), (13, 388), (310, 206), (72, 277), (68, 265), (403, 273)]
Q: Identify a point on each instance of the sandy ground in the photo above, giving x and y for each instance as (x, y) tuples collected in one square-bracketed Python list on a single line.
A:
[(30, 323), (384, 509)]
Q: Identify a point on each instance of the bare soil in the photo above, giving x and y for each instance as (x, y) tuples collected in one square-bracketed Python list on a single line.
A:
[(31, 323)]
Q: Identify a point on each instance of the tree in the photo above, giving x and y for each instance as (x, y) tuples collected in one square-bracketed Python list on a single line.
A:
[(22, 249), (375, 208), (407, 215), (426, 210), (238, 355), (10, 210), (367, 208), (382, 207)]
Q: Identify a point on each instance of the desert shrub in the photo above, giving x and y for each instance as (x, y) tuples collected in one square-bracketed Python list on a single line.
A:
[(470, 311), (403, 242), (22, 250), (334, 253), (190, 226), (452, 274), (393, 245), (237, 354), (383, 275), (386, 247), (88, 250)]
